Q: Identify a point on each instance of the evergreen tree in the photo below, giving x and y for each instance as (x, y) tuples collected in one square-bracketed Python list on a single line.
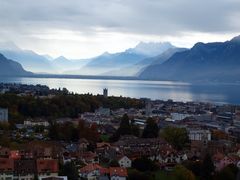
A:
[(151, 130), (207, 167), (125, 127), (177, 137)]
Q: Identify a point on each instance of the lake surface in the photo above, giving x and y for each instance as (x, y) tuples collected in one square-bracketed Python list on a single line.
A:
[(164, 90)]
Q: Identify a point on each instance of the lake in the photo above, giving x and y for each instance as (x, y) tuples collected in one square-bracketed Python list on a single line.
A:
[(164, 90)]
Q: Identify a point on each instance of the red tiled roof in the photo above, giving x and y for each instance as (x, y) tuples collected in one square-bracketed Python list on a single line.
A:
[(15, 154), (6, 165), (118, 171), (47, 165), (91, 167)]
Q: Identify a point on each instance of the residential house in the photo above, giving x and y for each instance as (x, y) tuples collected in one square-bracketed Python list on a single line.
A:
[(199, 135), (125, 162), (47, 167), (24, 169), (83, 144), (54, 178), (6, 168), (118, 173), (93, 171)]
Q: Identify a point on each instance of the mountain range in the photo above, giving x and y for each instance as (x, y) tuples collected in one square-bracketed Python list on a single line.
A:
[(11, 68), (107, 63), (218, 61)]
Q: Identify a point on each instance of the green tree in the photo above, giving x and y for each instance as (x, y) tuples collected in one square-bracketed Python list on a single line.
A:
[(151, 130), (182, 173), (177, 137), (230, 173), (125, 127), (144, 164), (208, 167), (194, 166), (136, 175), (69, 169), (113, 163)]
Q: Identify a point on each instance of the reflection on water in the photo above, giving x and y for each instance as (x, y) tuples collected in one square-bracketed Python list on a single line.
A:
[(218, 93)]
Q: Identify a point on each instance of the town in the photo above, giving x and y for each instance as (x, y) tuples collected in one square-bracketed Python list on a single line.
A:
[(55, 134)]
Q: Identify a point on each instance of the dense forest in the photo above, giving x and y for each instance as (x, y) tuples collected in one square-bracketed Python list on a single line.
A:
[(61, 105)]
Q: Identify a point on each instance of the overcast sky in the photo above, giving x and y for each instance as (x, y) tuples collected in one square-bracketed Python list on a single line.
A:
[(85, 28)]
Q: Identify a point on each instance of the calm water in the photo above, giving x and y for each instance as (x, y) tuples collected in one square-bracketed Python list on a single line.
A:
[(217, 93)]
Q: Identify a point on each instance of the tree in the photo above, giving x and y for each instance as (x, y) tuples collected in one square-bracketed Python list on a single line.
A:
[(136, 175), (194, 166), (114, 163), (69, 169), (230, 173), (144, 164), (177, 137), (151, 130), (125, 127), (208, 167), (182, 173)]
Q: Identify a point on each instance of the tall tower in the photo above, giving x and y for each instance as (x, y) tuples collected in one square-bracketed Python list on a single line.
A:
[(105, 92)]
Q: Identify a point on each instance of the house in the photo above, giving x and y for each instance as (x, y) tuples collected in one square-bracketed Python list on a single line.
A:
[(199, 135), (221, 161), (93, 171), (47, 167), (6, 168), (125, 162), (24, 169), (54, 178), (89, 157), (36, 122), (83, 144), (118, 173), (103, 111)]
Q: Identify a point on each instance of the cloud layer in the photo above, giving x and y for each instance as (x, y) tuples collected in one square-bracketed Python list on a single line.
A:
[(91, 21)]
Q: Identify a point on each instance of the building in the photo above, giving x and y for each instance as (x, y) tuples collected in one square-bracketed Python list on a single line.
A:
[(53, 178), (47, 167), (103, 111), (39, 122), (125, 162), (105, 92), (24, 169), (3, 114), (6, 168), (199, 135), (148, 108), (118, 173), (93, 171)]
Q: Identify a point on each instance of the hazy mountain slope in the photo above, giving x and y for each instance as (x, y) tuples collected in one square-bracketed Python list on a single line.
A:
[(63, 64), (204, 62), (107, 62), (11, 68), (30, 60), (136, 69)]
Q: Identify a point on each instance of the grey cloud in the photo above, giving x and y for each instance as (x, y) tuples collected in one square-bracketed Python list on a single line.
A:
[(155, 17)]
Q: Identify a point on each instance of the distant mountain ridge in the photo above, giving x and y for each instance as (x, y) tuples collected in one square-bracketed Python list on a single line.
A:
[(203, 62), (11, 68), (107, 62), (136, 69), (30, 60)]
